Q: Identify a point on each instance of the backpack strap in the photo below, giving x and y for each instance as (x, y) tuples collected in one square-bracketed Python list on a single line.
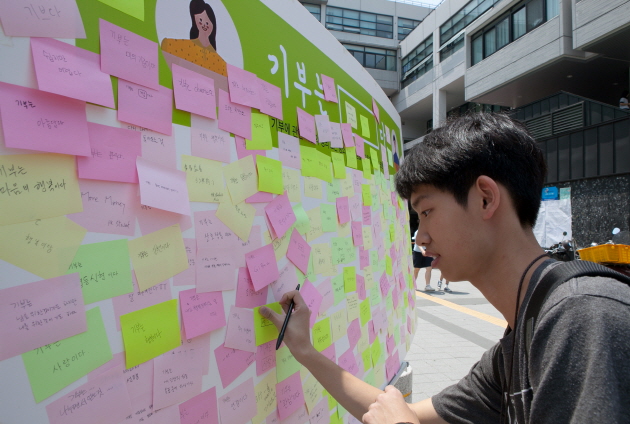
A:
[(552, 280)]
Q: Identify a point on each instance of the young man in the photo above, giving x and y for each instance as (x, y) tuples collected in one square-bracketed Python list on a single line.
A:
[(476, 185), (421, 260)]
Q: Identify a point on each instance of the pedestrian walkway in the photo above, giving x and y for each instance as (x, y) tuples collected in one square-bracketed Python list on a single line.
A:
[(453, 330)]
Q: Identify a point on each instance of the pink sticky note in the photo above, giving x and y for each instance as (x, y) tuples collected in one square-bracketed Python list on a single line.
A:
[(127, 55), (354, 333), (360, 145), (232, 363), (330, 352), (392, 364), (286, 282), (384, 284), (289, 150), (105, 397), (246, 296), (289, 395), (367, 215), (322, 122), (216, 269), (330, 92), (371, 332), (319, 414), (299, 251), (343, 209), (361, 293), (239, 405), (201, 409), (240, 330), (328, 297), (262, 266), (40, 18), (37, 120), (241, 149), (260, 197), (234, 118), (270, 99), (163, 188), (29, 322), (265, 357), (348, 362), (244, 87), (187, 277), (201, 312), (306, 125), (375, 110), (357, 233), (280, 214), (364, 258), (152, 219), (198, 349), (346, 132), (211, 232), (313, 299), (298, 417), (139, 379), (114, 153), (156, 147), (356, 202), (140, 299), (176, 378), (70, 71), (214, 145), (146, 107), (336, 138), (107, 207), (194, 92)]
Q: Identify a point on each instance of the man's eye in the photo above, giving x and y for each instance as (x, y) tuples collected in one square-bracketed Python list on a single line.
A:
[(425, 213)]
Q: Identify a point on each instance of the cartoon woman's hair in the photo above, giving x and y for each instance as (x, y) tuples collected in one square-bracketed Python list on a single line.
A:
[(197, 7)]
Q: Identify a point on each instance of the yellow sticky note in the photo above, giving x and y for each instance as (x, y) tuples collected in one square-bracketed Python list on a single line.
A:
[(321, 334), (38, 186), (313, 188), (388, 265), (281, 244), (367, 276), (376, 352), (133, 8), (265, 398), (365, 126), (312, 390), (315, 164), (158, 256), (316, 230), (239, 218), (343, 230), (367, 168), (302, 223), (339, 324), (44, 247), (352, 304), (150, 332), (261, 133), (204, 178), (339, 165), (291, 182), (367, 194), (263, 328), (286, 364), (269, 175), (347, 186), (366, 355), (351, 115), (349, 279), (379, 375), (374, 159), (241, 179), (365, 311), (322, 258), (351, 157)]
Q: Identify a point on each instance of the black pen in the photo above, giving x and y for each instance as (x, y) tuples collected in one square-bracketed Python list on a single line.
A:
[(286, 321)]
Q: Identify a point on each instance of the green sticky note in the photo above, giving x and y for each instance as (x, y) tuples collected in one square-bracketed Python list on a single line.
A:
[(367, 194), (264, 329), (321, 334), (310, 272), (343, 250), (302, 223), (315, 164), (389, 302), (52, 367), (286, 364), (261, 133), (338, 288), (341, 411), (133, 8), (332, 402), (367, 168), (339, 165), (269, 175), (375, 296), (329, 217), (104, 269), (376, 352), (388, 265), (365, 311), (333, 191), (369, 377), (374, 159), (365, 126), (397, 335), (150, 332), (366, 355), (349, 279), (351, 157), (374, 258)]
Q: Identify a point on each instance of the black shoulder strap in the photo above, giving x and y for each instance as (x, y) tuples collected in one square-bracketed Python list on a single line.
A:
[(554, 278)]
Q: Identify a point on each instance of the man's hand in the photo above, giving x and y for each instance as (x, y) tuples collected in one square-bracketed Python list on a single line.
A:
[(389, 408)]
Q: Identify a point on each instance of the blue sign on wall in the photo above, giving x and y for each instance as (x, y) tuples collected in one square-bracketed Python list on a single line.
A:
[(550, 193)]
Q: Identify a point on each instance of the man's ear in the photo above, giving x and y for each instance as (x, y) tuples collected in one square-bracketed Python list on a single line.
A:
[(488, 196)]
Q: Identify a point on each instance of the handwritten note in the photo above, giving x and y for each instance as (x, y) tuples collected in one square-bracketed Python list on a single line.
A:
[(40, 313), (201, 312), (162, 188), (37, 120), (280, 214), (265, 330), (241, 179), (299, 251), (194, 92), (346, 132), (330, 91), (262, 266), (329, 217), (201, 409), (234, 118), (238, 406), (146, 107), (204, 179), (261, 133), (289, 150), (158, 256), (246, 296), (269, 175), (240, 330), (266, 358), (270, 99), (156, 147), (70, 71), (150, 332), (315, 164), (306, 125), (365, 126), (54, 366), (343, 210), (360, 145), (289, 395), (128, 56), (176, 378), (244, 87), (232, 363), (105, 397), (216, 269), (351, 115), (324, 134), (41, 19), (265, 398), (211, 144)]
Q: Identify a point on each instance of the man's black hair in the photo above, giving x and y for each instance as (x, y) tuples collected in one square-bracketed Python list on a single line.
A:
[(453, 156)]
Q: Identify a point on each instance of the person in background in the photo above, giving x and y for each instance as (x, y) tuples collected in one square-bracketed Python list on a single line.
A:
[(446, 289), (421, 260), (623, 101)]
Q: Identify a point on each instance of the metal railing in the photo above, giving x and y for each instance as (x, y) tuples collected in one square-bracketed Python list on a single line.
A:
[(418, 3)]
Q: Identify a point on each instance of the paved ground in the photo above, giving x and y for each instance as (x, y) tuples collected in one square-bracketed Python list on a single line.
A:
[(453, 331)]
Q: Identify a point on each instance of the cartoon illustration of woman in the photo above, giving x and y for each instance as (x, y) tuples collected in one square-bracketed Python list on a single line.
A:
[(201, 48)]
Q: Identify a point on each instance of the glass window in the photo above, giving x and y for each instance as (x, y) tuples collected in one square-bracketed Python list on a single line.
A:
[(371, 57), (553, 8), (503, 32), (465, 16), (477, 49), (358, 22), (315, 9), (535, 14), (405, 26), (489, 42), (420, 53), (518, 24)]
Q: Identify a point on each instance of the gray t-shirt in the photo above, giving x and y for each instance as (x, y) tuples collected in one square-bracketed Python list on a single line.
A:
[(579, 368)]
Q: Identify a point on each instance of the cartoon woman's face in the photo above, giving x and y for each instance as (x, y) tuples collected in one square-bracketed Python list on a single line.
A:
[(204, 24)]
